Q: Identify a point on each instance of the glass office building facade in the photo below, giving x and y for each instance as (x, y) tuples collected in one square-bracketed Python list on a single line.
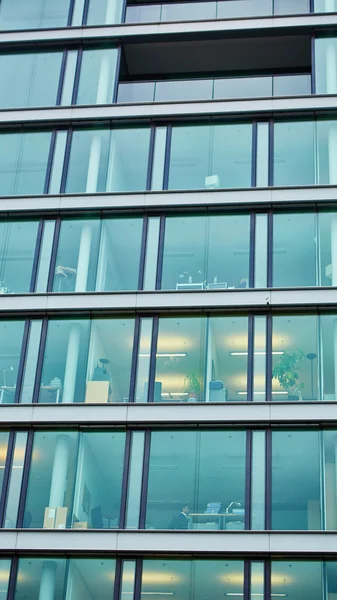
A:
[(168, 304)]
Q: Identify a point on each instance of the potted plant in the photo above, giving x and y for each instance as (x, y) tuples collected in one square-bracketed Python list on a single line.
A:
[(287, 372), (192, 386)]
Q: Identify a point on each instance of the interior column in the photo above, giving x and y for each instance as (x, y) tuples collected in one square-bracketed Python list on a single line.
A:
[(47, 583), (59, 474), (71, 363), (330, 6), (111, 12)]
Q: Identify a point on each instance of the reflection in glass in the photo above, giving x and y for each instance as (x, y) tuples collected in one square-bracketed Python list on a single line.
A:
[(261, 251), (108, 160), (135, 479), (4, 438), (294, 249), (295, 358), (294, 160), (92, 578), (190, 89), (17, 250), (45, 256), (31, 358), (296, 492), (29, 79), (243, 87), (328, 324), (327, 226), (128, 579), (97, 76), (99, 475), (11, 335), (23, 162), (259, 358), (51, 480), (211, 156), (104, 12), (206, 252), (325, 60), (35, 14), (5, 567), (196, 480), (192, 579), (258, 480)]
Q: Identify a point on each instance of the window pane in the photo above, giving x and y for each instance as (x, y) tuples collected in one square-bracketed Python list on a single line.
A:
[(192, 579), (135, 478), (91, 578), (29, 79), (329, 479), (17, 249), (327, 226), (292, 85), (128, 579), (180, 363), (5, 566), (295, 364), (296, 502), (299, 579), (11, 335), (105, 160), (175, 91), (294, 153), (329, 356), (97, 78), (35, 14), (51, 480), (291, 7), (216, 156), (119, 259), (23, 162), (76, 260), (31, 358), (4, 437), (325, 65), (243, 87), (231, 9), (209, 252), (192, 480), (16, 473), (104, 12), (326, 152), (294, 250), (196, 11), (99, 480), (40, 578), (227, 359)]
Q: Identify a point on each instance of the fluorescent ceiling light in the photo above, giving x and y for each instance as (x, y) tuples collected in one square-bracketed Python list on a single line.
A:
[(175, 394), (255, 353), (166, 354), (283, 595), (153, 593), (261, 393)]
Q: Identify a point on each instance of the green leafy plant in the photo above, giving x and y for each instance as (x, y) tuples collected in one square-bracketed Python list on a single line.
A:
[(287, 372), (192, 384)]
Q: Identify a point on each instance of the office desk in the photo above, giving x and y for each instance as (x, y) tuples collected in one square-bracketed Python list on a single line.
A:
[(46, 390), (221, 519)]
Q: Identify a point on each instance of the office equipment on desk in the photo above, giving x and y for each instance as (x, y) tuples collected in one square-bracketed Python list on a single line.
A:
[(46, 393), (190, 286), (9, 391), (222, 285), (217, 391), (213, 508), (55, 518)]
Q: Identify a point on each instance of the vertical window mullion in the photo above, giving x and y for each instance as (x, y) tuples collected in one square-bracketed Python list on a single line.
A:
[(66, 162), (138, 579), (117, 71), (118, 579), (251, 277), (254, 153), (25, 478), (246, 579), (248, 486), (143, 253), (145, 481), (268, 479), (250, 367), (40, 359), (12, 578), (160, 252), (150, 158), (37, 253), (134, 361), (267, 579), (271, 154), (50, 162), (23, 354), (7, 473), (77, 76), (61, 79), (167, 158), (269, 358), (85, 12), (54, 255), (125, 478), (153, 352)]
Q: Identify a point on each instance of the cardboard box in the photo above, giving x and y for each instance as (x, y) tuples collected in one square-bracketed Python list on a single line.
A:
[(80, 525), (97, 392), (49, 518), (61, 517)]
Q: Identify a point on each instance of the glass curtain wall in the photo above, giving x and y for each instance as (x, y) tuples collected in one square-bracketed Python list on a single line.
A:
[(11, 338), (309, 579), (75, 480), (87, 361), (196, 480), (17, 250), (100, 255), (35, 14)]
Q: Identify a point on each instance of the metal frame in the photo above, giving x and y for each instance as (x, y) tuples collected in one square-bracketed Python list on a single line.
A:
[(25, 478), (248, 479), (160, 254), (150, 158), (37, 255), (62, 74), (134, 360), (153, 359), (250, 357), (143, 249), (50, 161), (168, 148), (145, 480), (7, 475), (12, 578), (22, 361), (54, 250), (40, 360), (268, 481), (125, 479), (254, 153)]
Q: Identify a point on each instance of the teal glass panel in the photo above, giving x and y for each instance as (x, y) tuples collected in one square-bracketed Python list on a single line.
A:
[(17, 250), (11, 336), (294, 155), (29, 79), (328, 324), (40, 578), (35, 14), (91, 578), (97, 77), (104, 12), (51, 480), (297, 579), (196, 480), (296, 496), (294, 249), (97, 501), (211, 156), (192, 579), (23, 162)]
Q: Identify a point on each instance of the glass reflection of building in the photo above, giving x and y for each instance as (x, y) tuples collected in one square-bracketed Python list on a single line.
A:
[(168, 314)]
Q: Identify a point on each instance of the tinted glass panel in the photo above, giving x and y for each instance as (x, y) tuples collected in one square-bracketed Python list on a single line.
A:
[(294, 160), (23, 162), (325, 59), (296, 480), (216, 156), (231, 9), (300, 579), (11, 335), (17, 249), (103, 12), (192, 579), (192, 480), (29, 79), (105, 160), (35, 14), (97, 78)]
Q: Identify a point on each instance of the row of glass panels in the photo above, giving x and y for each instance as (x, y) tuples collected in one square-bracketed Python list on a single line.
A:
[(36, 14), (197, 479), (194, 359), (98, 578), (197, 157), (89, 76), (198, 252)]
